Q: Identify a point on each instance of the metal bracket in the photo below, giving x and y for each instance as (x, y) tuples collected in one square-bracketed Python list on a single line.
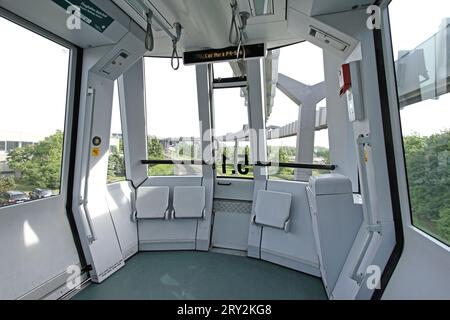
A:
[(364, 139), (375, 228)]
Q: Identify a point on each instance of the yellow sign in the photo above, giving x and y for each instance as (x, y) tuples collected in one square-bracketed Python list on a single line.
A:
[(96, 152)]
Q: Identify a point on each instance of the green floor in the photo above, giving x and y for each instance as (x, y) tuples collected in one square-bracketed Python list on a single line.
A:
[(203, 276)]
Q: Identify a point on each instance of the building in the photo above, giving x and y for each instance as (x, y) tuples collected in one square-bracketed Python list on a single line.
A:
[(10, 141)]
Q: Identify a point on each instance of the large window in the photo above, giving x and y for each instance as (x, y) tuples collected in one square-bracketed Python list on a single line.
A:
[(283, 119), (116, 159), (231, 132), (423, 82), (33, 82), (173, 126)]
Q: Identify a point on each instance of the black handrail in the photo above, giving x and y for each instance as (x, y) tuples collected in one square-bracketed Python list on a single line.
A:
[(296, 165), (330, 167), (182, 162)]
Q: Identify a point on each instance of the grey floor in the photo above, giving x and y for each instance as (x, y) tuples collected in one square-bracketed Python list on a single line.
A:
[(203, 276)]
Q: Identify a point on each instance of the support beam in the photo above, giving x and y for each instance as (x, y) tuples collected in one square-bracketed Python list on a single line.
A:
[(205, 103), (132, 109), (307, 98), (256, 116)]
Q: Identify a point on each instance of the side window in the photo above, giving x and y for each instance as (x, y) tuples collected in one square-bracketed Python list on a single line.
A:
[(423, 83), (231, 133), (283, 122), (173, 127), (116, 160), (32, 114)]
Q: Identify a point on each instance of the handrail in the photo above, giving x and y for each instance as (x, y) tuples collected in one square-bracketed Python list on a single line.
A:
[(258, 164), (182, 162), (297, 165), (92, 237)]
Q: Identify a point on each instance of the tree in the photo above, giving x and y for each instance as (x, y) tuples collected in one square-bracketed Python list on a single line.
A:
[(116, 166), (444, 224), (284, 158), (323, 153), (428, 171), (40, 164), (7, 184), (155, 149)]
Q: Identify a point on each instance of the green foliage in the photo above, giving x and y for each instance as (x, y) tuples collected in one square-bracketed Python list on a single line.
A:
[(156, 152), (161, 170), (321, 152), (443, 224), (284, 156), (39, 164), (7, 184), (428, 169), (116, 167), (155, 149)]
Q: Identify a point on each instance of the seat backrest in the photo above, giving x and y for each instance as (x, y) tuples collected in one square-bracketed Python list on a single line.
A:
[(189, 202), (273, 208), (152, 202)]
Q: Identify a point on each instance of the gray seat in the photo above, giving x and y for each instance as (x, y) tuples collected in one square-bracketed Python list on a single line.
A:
[(152, 203), (273, 209), (189, 202)]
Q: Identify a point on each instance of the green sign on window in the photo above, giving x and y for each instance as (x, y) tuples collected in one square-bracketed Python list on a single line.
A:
[(89, 13)]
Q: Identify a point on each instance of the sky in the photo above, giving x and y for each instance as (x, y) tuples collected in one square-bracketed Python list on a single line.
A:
[(38, 98), (31, 101)]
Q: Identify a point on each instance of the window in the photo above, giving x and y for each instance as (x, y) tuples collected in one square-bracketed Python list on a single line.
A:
[(32, 114), (2, 146), (423, 82), (11, 145), (173, 127), (116, 159), (26, 144), (281, 147), (231, 132), (282, 121)]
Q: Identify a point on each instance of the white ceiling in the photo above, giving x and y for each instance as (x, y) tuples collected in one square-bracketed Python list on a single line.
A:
[(206, 23)]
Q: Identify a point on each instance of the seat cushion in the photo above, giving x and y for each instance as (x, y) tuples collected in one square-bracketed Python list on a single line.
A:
[(189, 202), (273, 208), (152, 202)]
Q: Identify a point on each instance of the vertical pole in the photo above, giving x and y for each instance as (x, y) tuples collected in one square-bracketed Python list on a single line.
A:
[(205, 108), (257, 129)]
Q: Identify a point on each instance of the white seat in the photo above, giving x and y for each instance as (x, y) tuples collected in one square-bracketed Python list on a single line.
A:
[(189, 202), (152, 203), (273, 209)]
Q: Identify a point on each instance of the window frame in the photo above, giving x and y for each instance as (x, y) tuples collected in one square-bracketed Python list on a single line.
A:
[(71, 105)]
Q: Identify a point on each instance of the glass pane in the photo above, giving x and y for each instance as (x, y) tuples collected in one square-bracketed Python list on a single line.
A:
[(223, 70), (280, 148), (173, 126), (116, 160), (283, 121), (32, 113), (231, 131), (261, 7), (423, 86)]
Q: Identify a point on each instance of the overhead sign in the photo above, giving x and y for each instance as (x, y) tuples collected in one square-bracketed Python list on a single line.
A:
[(226, 54), (88, 13)]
